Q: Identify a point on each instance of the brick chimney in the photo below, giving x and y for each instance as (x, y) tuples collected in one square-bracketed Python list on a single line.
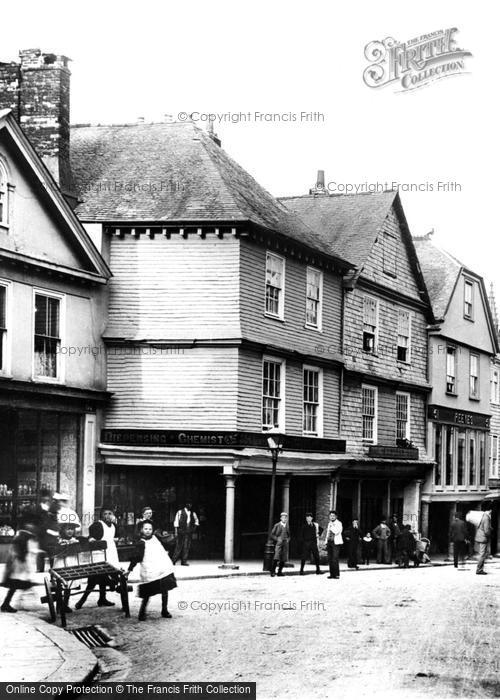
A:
[(319, 187), (37, 90)]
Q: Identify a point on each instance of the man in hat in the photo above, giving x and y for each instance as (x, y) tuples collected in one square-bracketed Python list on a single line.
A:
[(280, 535), (483, 536), (333, 538), (185, 524), (65, 515), (309, 538)]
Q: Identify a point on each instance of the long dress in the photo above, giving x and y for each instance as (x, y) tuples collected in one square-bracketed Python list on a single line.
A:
[(157, 569), (21, 561)]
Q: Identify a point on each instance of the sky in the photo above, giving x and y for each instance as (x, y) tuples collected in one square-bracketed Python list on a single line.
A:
[(146, 60)]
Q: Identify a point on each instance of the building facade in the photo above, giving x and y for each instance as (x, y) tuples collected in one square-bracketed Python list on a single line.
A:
[(384, 384), (462, 346), (52, 369), (219, 306)]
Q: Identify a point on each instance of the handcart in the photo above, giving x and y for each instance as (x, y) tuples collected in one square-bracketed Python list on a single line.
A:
[(75, 562)]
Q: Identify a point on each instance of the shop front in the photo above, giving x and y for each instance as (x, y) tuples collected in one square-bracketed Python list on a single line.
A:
[(459, 480), (226, 475), (47, 441)]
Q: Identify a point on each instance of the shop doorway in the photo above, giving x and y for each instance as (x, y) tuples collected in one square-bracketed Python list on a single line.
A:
[(128, 489)]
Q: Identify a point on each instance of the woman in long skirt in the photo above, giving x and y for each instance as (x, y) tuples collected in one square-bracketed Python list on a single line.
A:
[(157, 570), (21, 563)]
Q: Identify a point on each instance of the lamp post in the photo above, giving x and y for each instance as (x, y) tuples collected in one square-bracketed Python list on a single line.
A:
[(275, 445)]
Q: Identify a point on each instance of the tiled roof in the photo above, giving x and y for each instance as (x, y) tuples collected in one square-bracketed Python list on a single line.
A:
[(440, 270), (348, 223), (172, 172)]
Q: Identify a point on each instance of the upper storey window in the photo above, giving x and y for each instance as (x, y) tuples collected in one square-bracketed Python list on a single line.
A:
[(275, 285), (4, 197)]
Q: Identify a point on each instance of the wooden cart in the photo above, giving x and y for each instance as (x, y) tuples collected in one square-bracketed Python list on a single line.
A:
[(74, 563)]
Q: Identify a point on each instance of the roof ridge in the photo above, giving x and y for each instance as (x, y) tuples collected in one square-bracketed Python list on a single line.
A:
[(327, 195)]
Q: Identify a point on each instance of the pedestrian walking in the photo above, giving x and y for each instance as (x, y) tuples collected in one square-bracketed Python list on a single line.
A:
[(309, 543), (367, 548), (102, 530), (157, 570), (405, 547), (280, 535), (333, 538), (483, 536), (21, 562), (47, 527), (458, 536), (352, 537), (185, 524), (381, 535)]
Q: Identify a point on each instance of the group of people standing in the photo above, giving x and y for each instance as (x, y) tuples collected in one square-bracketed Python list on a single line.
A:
[(385, 543)]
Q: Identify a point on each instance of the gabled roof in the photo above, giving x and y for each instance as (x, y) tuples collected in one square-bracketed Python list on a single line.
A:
[(172, 172), (69, 225), (349, 223), (441, 271)]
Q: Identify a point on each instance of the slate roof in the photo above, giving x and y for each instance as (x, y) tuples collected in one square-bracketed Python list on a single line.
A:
[(172, 172), (440, 270), (348, 223)]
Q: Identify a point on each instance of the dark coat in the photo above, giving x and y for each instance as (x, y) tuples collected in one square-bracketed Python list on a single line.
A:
[(458, 531), (406, 542), (308, 534), (352, 536)]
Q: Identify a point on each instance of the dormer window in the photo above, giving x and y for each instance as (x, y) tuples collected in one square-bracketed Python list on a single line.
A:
[(4, 197), (469, 300)]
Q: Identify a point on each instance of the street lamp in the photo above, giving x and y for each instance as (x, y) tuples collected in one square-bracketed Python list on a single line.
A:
[(275, 445)]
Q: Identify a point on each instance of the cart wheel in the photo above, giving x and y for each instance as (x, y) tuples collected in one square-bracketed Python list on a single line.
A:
[(50, 599)]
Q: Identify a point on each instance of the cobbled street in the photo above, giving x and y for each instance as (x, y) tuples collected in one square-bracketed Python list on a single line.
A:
[(391, 633)]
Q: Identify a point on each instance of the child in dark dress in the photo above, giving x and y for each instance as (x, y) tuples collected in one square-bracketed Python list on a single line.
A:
[(367, 548), (157, 570)]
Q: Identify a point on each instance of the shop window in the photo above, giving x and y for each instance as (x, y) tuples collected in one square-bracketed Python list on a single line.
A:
[(38, 450), (472, 460), (474, 376), (402, 416), (369, 411), (468, 300), (370, 323), (272, 394), (449, 452), (451, 380), (314, 290), (47, 335), (275, 282), (438, 455), (404, 325), (311, 424), (461, 454), (482, 458)]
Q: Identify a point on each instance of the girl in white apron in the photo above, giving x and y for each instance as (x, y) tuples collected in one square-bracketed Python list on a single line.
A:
[(105, 530), (157, 570)]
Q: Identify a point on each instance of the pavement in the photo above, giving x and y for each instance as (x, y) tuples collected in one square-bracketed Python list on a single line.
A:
[(40, 651)]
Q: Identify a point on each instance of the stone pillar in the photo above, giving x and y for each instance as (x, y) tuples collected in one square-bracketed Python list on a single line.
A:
[(411, 504), (229, 532), (453, 508), (334, 487), (358, 499), (388, 506), (285, 495), (425, 518)]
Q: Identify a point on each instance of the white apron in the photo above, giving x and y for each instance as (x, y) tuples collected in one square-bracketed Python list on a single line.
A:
[(156, 563), (108, 536)]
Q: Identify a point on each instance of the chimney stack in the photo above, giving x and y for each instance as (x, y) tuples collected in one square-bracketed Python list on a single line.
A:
[(319, 187), (37, 90)]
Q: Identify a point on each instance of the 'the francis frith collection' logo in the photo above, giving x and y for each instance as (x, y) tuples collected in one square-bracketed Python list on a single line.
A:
[(414, 63)]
